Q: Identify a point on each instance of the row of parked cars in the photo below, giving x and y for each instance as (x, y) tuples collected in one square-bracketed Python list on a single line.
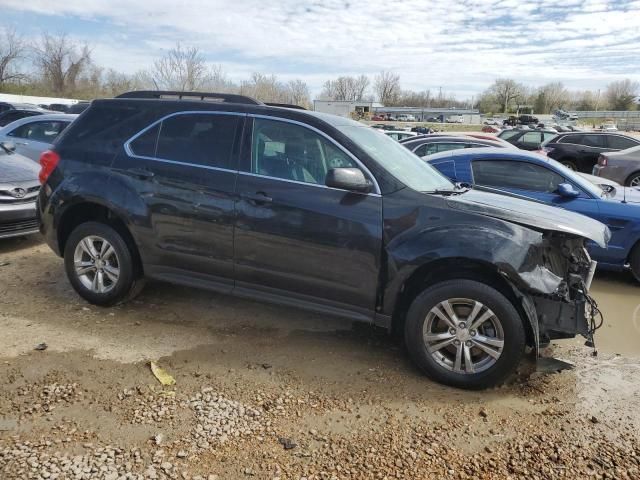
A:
[(326, 214)]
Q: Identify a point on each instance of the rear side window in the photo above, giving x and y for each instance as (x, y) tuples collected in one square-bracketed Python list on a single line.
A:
[(506, 134), (598, 141), (575, 139), (532, 138), (45, 132), (198, 138), (619, 142), (145, 145), (514, 174)]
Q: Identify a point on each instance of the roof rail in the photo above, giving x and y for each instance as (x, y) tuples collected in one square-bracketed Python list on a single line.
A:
[(174, 95), (285, 105)]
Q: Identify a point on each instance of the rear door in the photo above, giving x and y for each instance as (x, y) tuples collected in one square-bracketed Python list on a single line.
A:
[(296, 238), (184, 168), (592, 145)]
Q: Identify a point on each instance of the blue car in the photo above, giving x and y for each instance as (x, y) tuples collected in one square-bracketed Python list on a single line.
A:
[(536, 176)]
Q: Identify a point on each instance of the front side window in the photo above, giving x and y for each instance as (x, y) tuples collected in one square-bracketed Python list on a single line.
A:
[(575, 139), (45, 132), (196, 138), (292, 152), (506, 134), (515, 174)]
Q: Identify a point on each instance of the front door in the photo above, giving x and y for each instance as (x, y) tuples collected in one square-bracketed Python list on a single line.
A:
[(296, 238), (184, 168)]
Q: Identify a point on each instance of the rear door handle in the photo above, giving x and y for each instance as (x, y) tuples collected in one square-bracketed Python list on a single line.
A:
[(140, 173), (258, 197)]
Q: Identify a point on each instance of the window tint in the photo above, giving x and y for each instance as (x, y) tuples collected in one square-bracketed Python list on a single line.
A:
[(619, 142), (598, 141), (508, 134), (45, 132), (421, 151), (198, 138), (292, 152), (576, 139), (548, 136), (515, 174), (444, 147), (145, 145), (531, 137)]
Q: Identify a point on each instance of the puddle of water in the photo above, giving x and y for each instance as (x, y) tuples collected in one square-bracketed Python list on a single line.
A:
[(619, 300)]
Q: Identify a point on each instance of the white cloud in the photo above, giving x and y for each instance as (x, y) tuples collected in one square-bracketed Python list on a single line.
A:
[(459, 45)]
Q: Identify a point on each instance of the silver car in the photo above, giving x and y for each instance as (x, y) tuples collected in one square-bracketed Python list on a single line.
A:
[(622, 166), (19, 188), (34, 135)]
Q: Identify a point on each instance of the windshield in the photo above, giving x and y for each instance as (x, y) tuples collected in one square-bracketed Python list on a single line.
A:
[(414, 172), (581, 182)]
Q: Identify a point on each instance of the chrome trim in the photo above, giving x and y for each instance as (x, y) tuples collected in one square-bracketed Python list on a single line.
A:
[(250, 174), (332, 140), (131, 153)]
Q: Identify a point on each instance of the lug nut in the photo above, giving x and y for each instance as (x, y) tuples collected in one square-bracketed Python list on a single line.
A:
[(472, 333), (462, 325), (468, 343), (452, 331), (456, 343)]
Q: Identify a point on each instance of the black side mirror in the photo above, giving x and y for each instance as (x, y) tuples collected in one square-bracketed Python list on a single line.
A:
[(8, 147), (351, 179)]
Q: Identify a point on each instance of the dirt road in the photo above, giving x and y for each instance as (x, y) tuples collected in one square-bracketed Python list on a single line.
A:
[(268, 392)]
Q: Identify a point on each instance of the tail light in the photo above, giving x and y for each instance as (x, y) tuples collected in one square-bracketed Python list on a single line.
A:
[(48, 163), (603, 160)]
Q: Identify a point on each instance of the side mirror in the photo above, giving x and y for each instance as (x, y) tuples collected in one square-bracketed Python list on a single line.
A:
[(8, 146), (351, 179), (566, 190)]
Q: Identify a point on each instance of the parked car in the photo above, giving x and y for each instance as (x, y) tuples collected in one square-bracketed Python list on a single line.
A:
[(398, 135), (33, 135), (622, 166), (455, 119), (315, 211), (378, 118), (19, 188), (527, 139), (492, 121), (491, 129), (580, 150), (546, 180), (79, 107), (406, 118), (429, 144), (12, 115), (521, 120), (6, 106)]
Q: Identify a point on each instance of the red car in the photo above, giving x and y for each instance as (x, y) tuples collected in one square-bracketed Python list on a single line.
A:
[(490, 129)]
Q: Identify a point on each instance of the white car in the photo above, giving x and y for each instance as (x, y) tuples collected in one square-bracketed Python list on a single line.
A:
[(34, 135), (406, 118)]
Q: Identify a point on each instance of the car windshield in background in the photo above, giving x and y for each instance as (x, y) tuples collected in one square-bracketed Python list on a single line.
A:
[(398, 160)]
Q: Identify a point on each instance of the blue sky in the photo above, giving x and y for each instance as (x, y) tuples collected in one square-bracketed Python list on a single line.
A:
[(459, 45)]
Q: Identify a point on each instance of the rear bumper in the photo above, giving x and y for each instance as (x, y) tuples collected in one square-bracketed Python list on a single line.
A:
[(18, 219), (617, 174)]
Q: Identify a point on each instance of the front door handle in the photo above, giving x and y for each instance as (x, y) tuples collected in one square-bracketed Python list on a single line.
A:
[(257, 198), (140, 173)]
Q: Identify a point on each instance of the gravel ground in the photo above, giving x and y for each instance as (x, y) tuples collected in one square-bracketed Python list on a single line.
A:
[(266, 392)]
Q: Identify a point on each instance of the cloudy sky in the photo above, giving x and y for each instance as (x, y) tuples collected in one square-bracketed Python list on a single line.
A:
[(459, 45)]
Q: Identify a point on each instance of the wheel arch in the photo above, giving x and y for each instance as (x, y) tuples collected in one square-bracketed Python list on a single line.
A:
[(90, 211), (631, 175), (456, 268)]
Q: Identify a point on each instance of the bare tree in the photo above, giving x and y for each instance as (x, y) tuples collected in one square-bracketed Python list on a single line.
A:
[(61, 61), (506, 91), (12, 49), (550, 97), (298, 92), (387, 87), (345, 88), (622, 94), (181, 69)]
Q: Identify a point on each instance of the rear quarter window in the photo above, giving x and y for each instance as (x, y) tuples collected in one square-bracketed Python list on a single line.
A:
[(618, 142)]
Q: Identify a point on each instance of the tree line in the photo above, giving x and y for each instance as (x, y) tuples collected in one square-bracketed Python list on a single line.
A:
[(58, 66)]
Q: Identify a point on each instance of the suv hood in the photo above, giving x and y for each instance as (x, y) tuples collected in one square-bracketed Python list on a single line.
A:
[(536, 215)]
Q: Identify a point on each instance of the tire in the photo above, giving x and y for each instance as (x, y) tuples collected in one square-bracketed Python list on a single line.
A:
[(634, 261), (105, 279), (633, 180), (570, 164), (440, 363)]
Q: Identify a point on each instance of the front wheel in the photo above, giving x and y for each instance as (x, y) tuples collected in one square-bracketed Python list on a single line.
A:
[(99, 264), (633, 180), (464, 334), (570, 164)]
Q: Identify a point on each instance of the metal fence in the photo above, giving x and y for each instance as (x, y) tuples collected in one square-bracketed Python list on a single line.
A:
[(632, 114)]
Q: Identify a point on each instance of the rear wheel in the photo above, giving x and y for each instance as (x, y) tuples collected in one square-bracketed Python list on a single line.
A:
[(464, 334), (633, 180), (570, 164), (99, 264)]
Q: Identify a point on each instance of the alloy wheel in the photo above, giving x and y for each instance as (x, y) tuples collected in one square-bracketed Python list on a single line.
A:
[(635, 181), (463, 335), (96, 264)]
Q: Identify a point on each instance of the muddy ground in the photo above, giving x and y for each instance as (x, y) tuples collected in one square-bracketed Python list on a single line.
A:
[(270, 392)]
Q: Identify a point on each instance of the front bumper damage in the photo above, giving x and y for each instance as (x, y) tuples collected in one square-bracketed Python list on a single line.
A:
[(553, 288)]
